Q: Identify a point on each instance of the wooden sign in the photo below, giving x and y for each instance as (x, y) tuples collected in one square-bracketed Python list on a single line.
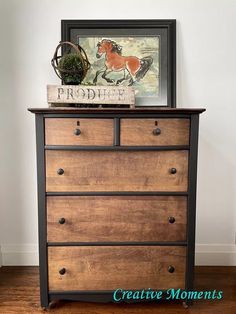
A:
[(83, 94)]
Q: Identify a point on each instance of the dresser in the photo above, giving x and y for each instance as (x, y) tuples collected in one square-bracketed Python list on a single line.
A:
[(116, 200)]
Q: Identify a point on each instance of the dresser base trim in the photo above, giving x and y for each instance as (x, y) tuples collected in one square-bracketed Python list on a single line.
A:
[(102, 297)]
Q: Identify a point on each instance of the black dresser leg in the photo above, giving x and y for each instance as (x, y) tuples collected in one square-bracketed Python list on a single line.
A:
[(187, 303)]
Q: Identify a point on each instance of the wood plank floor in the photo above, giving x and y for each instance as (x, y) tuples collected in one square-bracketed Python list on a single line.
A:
[(19, 293)]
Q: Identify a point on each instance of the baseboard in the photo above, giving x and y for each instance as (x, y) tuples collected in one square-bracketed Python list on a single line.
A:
[(20, 255), (206, 255), (0, 257), (215, 255)]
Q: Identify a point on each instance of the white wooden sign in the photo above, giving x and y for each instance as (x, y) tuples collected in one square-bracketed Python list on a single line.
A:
[(82, 94)]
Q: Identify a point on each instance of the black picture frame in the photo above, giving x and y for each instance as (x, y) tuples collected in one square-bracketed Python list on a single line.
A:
[(166, 29)]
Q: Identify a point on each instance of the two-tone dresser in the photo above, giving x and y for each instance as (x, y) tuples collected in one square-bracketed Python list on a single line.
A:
[(116, 200)]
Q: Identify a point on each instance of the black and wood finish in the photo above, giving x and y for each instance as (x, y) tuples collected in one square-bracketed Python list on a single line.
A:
[(174, 209)]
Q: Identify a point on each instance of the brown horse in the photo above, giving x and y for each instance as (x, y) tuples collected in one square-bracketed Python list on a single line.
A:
[(115, 62)]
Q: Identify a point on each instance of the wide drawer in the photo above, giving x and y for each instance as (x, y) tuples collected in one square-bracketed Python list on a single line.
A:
[(154, 132), (112, 267), (70, 131), (116, 219), (116, 171)]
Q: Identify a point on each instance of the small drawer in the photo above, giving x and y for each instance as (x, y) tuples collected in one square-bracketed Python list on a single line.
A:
[(116, 218), (154, 132), (70, 131), (112, 267), (80, 171)]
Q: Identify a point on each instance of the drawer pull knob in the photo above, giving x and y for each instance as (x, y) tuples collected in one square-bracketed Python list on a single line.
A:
[(60, 171), (62, 221), (62, 271), (171, 220), (77, 132), (171, 269), (173, 170), (156, 131)]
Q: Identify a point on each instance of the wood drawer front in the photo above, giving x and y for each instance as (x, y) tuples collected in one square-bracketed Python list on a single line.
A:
[(116, 171), (59, 131), (140, 132), (116, 219), (112, 267)]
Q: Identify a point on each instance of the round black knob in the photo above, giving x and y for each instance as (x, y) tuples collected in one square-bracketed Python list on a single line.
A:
[(62, 271), (171, 220), (173, 170), (60, 171), (77, 132), (62, 221), (171, 269), (157, 131)]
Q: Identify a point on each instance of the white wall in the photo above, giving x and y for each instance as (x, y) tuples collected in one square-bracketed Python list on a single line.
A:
[(206, 75)]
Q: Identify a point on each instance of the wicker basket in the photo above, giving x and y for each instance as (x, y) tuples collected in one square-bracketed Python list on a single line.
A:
[(61, 72)]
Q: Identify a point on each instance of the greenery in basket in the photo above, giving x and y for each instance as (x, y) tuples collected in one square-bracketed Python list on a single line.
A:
[(72, 63)]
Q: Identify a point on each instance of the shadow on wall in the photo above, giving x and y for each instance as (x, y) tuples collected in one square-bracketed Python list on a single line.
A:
[(18, 186), (216, 196)]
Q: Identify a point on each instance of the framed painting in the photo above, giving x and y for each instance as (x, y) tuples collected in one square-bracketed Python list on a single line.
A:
[(138, 53)]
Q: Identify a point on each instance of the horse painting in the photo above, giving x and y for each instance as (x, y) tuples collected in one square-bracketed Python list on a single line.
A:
[(133, 68)]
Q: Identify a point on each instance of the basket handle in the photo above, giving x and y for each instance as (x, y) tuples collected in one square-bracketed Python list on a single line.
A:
[(77, 49)]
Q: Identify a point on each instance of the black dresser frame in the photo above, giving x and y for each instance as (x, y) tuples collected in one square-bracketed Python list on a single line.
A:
[(107, 296)]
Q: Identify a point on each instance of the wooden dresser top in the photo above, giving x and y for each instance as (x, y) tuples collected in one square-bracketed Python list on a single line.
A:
[(152, 110)]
